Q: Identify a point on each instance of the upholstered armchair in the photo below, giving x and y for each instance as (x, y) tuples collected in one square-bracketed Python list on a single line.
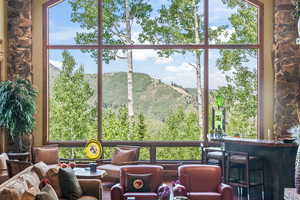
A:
[(203, 182), (123, 190)]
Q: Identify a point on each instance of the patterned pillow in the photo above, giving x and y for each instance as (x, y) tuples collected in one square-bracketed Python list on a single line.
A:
[(47, 193), (138, 183)]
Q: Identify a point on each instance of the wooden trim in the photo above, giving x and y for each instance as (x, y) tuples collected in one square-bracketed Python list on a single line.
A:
[(100, 71), (260, 76), (184, 46), (45, 69)]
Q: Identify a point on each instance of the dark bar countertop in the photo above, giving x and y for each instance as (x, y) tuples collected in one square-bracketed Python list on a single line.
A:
[(258, 142)]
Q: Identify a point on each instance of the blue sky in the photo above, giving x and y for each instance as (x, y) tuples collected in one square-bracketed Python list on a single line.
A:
[(176, 68)]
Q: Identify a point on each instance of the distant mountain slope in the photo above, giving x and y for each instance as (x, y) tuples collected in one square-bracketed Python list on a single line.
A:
[(152, 97)]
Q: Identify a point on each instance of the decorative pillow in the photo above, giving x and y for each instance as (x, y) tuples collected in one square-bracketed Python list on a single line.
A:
[(9, 194), (32, 179), (69, 184), (53, 178), (19, 185), (48, 155), (122, 155), (138, 183), (29, 194), (41, 169), (3, 159), (47, 193)]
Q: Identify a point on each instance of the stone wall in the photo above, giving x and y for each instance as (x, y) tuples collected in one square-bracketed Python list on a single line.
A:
[(19, 61), (286, 58)]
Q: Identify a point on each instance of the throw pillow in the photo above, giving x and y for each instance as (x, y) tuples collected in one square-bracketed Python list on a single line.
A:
[(41, 169), (121, 156), (29, 194), (9, 194), (47, 193), (53, 178), (138, 183), (48, 155), (32, 179), (70, 186)]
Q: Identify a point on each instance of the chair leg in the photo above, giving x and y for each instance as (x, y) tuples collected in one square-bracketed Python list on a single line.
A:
[(248, 181), (263, 185)]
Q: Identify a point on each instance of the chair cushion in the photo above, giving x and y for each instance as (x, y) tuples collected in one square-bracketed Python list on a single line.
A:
[(48, 155), (138, 183), (204, 196), (113, 171), (53, 177), (123, 156), (47, 193), (70, 186), (143, 195), (41, 169)]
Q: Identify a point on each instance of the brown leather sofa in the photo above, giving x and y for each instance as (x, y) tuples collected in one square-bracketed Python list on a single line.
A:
[(118, 191), (92, 189), (203, 182)]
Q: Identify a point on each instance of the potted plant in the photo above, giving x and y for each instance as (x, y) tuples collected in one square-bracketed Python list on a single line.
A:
[(17, 110)]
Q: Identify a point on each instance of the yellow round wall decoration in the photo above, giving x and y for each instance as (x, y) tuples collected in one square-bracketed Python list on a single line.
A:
[(93, 150)]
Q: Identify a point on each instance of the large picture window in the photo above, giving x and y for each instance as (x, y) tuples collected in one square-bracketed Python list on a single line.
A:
[(148, 70)]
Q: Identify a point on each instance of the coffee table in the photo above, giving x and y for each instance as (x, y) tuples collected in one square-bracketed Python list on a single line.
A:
[(86, 173)]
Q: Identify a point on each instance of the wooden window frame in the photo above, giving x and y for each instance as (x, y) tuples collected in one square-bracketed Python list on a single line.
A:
[(206, 47)]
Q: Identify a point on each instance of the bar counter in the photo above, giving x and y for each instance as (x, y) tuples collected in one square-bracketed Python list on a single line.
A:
[(279, 162)]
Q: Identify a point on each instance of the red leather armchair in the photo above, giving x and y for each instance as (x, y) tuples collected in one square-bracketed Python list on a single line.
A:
[(118, 191), (203, 182)]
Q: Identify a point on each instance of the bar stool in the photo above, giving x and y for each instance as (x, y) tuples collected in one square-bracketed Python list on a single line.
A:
[(215, 156), (248, 168)]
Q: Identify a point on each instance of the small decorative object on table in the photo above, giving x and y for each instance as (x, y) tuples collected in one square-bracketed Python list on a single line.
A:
[(295, 131), (179, 189), (93, 167), (164, 192)]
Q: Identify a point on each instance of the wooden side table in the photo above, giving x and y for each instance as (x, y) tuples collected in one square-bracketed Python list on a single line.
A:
[(291, 194)]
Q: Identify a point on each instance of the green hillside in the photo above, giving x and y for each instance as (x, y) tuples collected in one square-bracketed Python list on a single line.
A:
[(152, 97)]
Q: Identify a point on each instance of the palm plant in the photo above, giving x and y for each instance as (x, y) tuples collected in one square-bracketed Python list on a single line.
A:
[(17, 109)]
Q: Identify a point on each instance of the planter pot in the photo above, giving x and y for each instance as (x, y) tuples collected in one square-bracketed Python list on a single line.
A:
[(297, 171)]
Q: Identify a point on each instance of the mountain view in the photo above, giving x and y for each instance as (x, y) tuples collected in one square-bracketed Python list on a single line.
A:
[(152, 97)]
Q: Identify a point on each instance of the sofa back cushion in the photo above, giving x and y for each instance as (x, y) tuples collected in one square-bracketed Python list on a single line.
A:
[(48, 155), (124, 155)]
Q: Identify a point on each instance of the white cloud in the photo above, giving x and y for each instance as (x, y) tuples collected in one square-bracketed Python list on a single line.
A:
[(163, 60), (56, 63), (185, 75), (225, 36)]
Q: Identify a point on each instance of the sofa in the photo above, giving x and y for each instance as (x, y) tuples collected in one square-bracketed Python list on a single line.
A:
[(30, 177)]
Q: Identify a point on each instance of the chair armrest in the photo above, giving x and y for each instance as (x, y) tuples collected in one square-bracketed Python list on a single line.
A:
[(130, 163), (116, 192), (226, 191), (92, 187)]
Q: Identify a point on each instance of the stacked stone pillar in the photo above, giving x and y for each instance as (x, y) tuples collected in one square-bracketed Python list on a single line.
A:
[(19, 61), (286, 60)]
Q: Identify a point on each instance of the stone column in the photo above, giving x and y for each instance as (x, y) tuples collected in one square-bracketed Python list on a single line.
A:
[(19, 61), (286, 60)]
